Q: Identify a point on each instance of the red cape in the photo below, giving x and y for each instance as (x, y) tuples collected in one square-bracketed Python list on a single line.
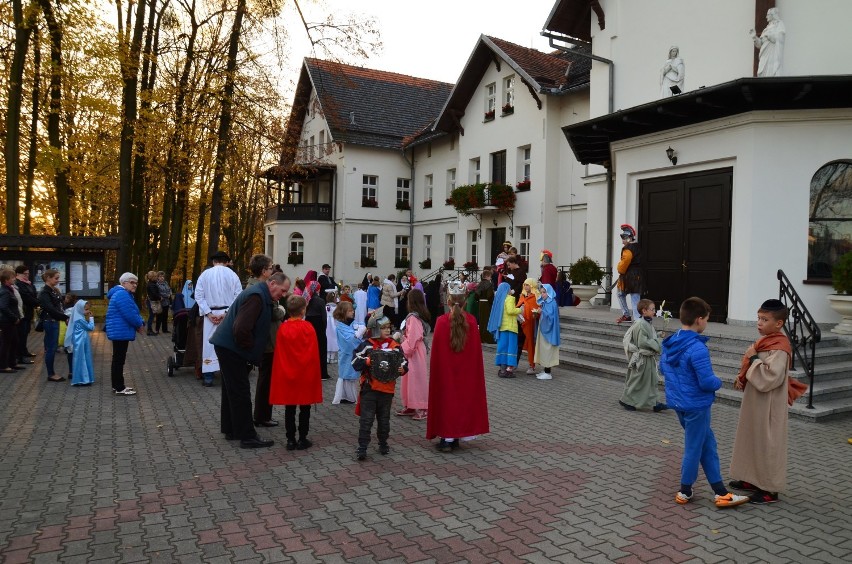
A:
[(296, 378), (457, 403)]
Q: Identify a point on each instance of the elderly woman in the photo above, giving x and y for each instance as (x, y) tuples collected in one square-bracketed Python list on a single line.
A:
[(123, 321)]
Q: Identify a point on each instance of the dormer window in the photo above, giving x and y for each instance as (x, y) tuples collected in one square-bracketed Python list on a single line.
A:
[(490, 101), (509, 94)]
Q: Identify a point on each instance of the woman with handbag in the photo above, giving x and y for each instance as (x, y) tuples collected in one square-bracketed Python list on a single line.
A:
[(165, 301), (154, 302), (50, 301)]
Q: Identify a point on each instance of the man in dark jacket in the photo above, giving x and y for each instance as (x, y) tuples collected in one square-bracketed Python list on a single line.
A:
[(240, 339), (30, 298)]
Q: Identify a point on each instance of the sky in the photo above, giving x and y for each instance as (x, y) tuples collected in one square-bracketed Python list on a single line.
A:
[(431, 39)]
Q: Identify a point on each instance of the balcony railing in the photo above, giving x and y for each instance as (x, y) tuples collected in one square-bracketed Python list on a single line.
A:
[(311, 153), (291, 212)]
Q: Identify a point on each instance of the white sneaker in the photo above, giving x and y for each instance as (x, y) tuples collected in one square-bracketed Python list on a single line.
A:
[(126, 392), (543, 376), (531, 371)]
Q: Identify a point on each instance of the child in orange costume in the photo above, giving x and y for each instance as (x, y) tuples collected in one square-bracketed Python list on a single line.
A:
[(528, 299), (296, 379)]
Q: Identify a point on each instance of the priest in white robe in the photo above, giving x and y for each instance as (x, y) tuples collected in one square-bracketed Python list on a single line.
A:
[(215, 291)]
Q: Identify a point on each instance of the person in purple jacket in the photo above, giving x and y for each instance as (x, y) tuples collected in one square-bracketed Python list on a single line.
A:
[(123, 321), (691, 390)]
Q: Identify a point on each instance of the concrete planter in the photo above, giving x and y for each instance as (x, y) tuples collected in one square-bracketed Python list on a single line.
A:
[(585, 293), (842, 304)]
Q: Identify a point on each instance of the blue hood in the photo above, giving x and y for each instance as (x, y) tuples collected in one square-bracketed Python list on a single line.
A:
[(113, 290), (676, 344)]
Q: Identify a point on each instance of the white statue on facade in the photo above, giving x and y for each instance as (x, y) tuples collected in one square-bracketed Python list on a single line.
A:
[(672, 74), (771, 45)]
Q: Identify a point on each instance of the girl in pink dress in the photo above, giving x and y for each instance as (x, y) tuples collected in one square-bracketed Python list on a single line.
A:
[(415, 384)]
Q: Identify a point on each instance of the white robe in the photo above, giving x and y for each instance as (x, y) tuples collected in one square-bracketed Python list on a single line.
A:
[(360, 299), (215, 291)]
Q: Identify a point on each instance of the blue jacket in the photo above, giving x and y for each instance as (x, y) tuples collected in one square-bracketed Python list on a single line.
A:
[(685, 364), (122, 316)]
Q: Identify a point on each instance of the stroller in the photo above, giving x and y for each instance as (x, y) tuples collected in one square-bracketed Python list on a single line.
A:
[(180, 319)]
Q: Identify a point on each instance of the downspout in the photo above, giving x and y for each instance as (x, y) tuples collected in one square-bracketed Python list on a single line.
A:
[(411, 209), (610, 184)]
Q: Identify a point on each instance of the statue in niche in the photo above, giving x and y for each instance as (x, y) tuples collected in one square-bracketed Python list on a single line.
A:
[(771, 45), (672, 74)]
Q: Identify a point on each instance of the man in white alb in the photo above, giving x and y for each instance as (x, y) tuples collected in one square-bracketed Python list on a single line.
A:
[(215, 291)]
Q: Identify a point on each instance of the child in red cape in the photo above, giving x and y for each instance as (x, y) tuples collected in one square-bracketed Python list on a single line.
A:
[(296, 379)]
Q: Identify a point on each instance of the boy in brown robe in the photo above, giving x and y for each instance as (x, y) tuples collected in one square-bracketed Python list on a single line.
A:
[(759, 460)]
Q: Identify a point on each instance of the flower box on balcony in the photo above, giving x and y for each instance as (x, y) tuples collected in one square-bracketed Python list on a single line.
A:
[(367, 262), (471, 266), (295, 258), (523, 185), (489, 115), (403, 205), (508, 109), (427, 204), (449, 264), (425, 264), (465, 199), (369, 203), (401, 263)]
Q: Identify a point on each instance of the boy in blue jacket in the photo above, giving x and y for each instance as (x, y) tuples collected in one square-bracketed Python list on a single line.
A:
[(691, 390)]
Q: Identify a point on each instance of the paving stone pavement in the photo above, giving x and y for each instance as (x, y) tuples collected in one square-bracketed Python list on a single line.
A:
[(565, 475)]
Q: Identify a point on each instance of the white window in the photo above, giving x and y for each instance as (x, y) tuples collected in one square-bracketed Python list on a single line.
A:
[(401, 252), (472, 246), (427, 188), (451, 181), (474, 171), (322, 150), (370, 188), (427, 247), (490, 97), (526, 163), (450, 246), (368, 246), (403, 190), (297, 249), (524, 242), (508, 92), (311, 145)]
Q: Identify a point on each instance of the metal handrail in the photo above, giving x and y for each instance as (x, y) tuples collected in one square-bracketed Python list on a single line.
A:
[(802, 330)]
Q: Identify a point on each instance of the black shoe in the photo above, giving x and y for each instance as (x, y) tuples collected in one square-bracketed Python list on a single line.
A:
[(629, 407), (346, 401), (325, 378), (270, 423), (761, 497), (291, 444), (743, 486), (660, 407), (165, 332), (361, 454), (444, 446), (151, 334), (384, 449), (506, 374), (256, 442), (25, 361), (304, 444)]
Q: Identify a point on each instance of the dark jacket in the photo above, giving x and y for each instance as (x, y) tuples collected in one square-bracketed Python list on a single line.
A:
[(29, 297), (634, 282), (51, 304), (153, 292), (122, 316), (685, 364), (9, 312), (231, 334)]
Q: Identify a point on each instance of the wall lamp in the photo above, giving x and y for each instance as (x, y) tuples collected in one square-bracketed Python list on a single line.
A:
[(670, 153)]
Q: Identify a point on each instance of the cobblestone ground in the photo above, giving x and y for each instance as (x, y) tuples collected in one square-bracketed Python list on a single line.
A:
[(565, 475)]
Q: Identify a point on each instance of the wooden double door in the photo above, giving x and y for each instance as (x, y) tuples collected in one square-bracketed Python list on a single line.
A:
[(685, 239)]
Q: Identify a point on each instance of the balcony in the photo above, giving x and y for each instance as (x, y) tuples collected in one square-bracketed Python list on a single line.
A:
[(314, 154), (299, 212)]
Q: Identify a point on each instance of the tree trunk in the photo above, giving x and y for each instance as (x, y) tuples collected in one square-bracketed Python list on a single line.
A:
[(129, 215), (63, 192), (224, 134), (23, 30), (32, 154)]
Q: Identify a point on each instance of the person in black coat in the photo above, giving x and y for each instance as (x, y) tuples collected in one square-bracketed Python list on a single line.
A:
[(30, 298), (316, 316), (10, 317)]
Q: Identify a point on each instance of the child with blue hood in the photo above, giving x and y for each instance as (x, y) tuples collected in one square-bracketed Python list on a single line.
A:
[(503, 326), (548, 339)]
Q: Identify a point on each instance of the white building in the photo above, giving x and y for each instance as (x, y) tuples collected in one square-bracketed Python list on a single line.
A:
[(744, 195)]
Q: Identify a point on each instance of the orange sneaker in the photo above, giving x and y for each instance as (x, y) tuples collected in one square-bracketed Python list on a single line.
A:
[(730, 500), (682, 498)]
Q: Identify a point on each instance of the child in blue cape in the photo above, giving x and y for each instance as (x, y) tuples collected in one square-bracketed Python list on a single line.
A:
[(80, 325)]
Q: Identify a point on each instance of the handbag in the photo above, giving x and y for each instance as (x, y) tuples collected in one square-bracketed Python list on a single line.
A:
[(156, 307), (39, 327)]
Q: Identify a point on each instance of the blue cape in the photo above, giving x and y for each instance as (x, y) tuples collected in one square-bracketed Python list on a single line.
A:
[(496, 316), (549, 319), (188, 291)]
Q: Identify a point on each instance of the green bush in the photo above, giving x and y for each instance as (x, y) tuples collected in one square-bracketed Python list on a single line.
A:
[(841, 274), (585, 272)]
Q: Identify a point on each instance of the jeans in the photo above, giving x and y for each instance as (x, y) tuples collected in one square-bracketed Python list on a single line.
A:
[(699, 447), (374, 405), (634, 298), (119, 355), (51, 341)]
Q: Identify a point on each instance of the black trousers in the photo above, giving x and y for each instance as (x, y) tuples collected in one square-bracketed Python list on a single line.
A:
[(23, 332), (290, 421), (8, 345), (262, 409), (374, 405), (236, 395), (163, 319), (119, 355)]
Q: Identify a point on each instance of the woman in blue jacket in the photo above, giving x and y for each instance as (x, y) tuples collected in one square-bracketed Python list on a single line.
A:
[(123, 321)]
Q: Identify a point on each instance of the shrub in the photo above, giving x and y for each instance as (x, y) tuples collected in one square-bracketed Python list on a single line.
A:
[(425, 264), (841, 274), (367, 262), (585, 272), (295, 258), (449, 264)]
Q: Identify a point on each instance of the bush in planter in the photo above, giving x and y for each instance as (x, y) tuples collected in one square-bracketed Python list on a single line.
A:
[(585, 272), (490, 115), (471, 266), (369, 203), (401, 263), (403, 205), (295, 258), (449, 264), (427, 204), (425, 264), (367, 262), (841, 274), (523, 185)]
